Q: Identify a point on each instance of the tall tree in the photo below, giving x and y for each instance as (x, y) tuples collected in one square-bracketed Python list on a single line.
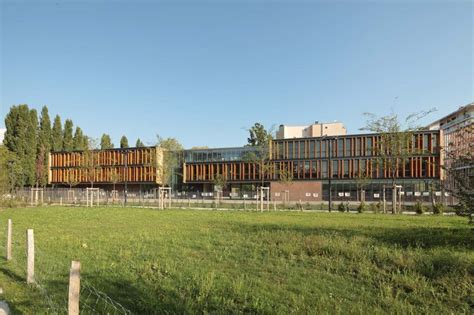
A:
[(20, 139), (123, 142), (68, 144), (139, 143), (106, 142), (44, 147), (57, 135), (78, 141), (258, 135), (32, 144), (6, 163), (395, 143)]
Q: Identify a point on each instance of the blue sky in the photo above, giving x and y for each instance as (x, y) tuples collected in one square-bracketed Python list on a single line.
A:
[(204, 71)]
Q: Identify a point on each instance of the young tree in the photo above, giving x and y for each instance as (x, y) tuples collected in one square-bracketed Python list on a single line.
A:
[(362, 181), (123, 142), (285, 177), (220, 182), (139, 143), (68, 144), (106, 142), (261, 140), (57, 135), (394, 145), (71, 178), (172, 152), (90, 163)]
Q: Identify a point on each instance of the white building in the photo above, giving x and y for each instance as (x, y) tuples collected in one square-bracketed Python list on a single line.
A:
[(314, 130)]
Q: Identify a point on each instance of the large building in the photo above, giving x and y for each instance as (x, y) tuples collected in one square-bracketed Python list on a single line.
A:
[(312, 167), (458, 136)]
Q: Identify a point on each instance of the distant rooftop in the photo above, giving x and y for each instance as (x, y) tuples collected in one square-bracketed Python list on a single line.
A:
[(317, 129)]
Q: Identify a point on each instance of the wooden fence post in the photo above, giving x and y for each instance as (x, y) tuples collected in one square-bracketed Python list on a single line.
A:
[(74, 288), (9, 240), (30, 260)]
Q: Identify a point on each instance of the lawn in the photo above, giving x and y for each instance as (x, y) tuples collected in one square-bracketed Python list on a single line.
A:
[(183, 261)]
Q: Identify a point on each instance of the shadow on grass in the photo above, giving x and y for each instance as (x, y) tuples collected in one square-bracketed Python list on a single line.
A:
[(405, 237)]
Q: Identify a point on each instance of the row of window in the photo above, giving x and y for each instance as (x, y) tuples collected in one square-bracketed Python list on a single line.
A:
[(351, 146), (74, 176), (314, 169), (216, 155), (141, 156)]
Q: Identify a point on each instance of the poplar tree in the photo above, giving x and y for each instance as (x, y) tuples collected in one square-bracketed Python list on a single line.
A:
[(57, 135), (20, 139), (43, 148), (106, 142), (31, 146), (139, 143), (68, 144), (123, 142), (78, 140)]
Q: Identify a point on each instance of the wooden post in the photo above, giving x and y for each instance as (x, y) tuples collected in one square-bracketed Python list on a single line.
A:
[(384, 202), (9, 240), (74, 288), (30, 253)]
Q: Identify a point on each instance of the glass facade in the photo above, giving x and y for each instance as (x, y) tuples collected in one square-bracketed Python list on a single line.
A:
[(218, 155)]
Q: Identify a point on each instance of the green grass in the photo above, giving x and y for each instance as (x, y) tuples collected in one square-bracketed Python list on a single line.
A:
[(185, 261)]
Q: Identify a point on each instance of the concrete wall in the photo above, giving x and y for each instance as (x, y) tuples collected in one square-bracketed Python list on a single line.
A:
[(302, 190), (314, 130)]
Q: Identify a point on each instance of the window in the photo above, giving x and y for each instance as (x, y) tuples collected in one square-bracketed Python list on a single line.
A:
[(311, 149), (306, 169), (295, 169), (323, 148), (368, 150), (434, 143), (318, 149), (302, 155), (313, 169), (348, 147), (340, 147), (346, 168), (335, 169), (290, 149), (426, 143), (281, 150), (324, 169), (355, 168)]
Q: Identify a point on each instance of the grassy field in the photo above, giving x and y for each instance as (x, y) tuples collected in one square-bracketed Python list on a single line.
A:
[(184, 261)]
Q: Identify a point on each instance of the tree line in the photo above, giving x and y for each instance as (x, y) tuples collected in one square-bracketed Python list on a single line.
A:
[(30, 138)]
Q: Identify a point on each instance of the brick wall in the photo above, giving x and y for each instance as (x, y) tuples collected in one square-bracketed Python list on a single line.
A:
[(299, 190)]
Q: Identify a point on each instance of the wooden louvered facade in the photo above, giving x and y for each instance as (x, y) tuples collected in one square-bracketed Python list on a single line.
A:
[(134, 165), (352, 156)]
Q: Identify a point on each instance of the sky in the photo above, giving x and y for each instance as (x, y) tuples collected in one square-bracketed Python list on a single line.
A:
[(205, 71)]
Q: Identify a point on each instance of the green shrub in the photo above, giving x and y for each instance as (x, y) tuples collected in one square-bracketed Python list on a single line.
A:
[(419, 208), (341, 207), (375, 207), (361, 207), (438, 208)]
